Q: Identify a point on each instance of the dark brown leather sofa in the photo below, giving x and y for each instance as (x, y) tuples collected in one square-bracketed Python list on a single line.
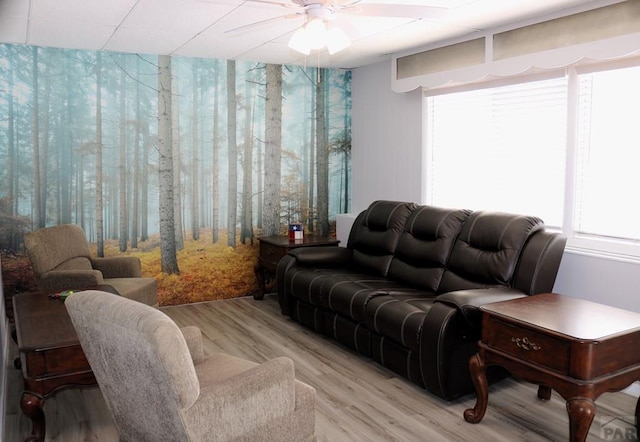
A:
[(407, 288)]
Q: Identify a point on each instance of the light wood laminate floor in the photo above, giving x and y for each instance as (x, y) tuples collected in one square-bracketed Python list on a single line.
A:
[(357, 399)]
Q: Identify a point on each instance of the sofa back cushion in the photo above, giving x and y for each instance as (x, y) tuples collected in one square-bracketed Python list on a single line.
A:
[(486, 252), (375, 232), (425, 246)]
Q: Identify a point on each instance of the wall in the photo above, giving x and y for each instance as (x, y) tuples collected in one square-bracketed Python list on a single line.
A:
[(387, 164), (386, 139)]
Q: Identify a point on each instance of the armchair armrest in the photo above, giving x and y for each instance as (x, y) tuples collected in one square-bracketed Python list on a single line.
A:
[(324, 256), (118, 266), (193, 338), (57, 280), (261, 394), (468, 302)]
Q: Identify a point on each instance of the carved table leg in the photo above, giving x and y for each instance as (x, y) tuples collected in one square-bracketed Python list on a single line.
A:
[(31, 406), (479, 378), (581, 413), (261, 278)]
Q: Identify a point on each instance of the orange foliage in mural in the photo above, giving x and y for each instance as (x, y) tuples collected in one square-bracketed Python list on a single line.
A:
[(207, 271)]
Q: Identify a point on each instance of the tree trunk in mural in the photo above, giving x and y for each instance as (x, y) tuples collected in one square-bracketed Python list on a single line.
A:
[(272, 151), (246, 230), (322, 156), (38, 206), (177, 162), (169, 260), (311, 188), (99, 202), (122, 166), (232, 196), (195, 162), (215, 148)]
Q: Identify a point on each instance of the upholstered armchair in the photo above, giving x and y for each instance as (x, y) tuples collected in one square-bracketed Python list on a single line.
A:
[(61, 261), (159, 385)]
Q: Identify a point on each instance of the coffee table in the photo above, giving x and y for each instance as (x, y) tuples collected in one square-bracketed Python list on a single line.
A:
[(578, 348), (51, 358), (272, 248)]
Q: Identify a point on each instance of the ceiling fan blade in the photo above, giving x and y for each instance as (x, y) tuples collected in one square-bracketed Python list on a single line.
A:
[(395, 11), (263, 22)]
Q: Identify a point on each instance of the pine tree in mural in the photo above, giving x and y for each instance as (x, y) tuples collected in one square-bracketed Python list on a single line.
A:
[(232, 195), (99, 180), (273, 151), (246, 218), (177, 159), (165, 169), (322, 156)]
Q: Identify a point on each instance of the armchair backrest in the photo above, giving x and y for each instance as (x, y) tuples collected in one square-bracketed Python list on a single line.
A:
[(141, 362), (62, 247)]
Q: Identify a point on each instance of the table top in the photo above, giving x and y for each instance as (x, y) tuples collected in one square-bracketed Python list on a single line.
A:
[(307, 240), (573, 317), (43, 323)]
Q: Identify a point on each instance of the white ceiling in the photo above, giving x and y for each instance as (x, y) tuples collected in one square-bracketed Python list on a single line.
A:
[(200, 28)]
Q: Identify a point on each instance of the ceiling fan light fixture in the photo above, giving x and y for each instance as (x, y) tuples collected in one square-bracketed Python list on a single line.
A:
[(314, 34), (300, 41), (317, 33), (337, 40)]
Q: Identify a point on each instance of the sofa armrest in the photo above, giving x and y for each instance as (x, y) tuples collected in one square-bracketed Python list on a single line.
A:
[(57, 280), (468, 302), (118, 266), (324, 256)]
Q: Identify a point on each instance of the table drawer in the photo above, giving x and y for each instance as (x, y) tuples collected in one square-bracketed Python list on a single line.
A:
[(527, 344), (63, 360)]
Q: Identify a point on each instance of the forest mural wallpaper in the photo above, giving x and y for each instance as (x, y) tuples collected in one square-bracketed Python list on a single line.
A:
[(180, 161)]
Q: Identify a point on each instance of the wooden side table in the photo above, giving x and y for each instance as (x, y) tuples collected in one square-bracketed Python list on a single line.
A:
[(51, 358), (578, 348), (272, 248)]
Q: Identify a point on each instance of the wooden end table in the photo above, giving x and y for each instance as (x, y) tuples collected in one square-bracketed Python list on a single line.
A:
[(51, 358), (272, 248), (578, 348)]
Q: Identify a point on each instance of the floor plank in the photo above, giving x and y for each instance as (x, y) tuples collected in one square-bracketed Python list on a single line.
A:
[(357, 399)]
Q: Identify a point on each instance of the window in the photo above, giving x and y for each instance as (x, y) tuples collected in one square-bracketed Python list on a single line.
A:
[(539, 148)]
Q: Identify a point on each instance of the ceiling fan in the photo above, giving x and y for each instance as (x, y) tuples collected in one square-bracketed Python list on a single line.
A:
[(321, 29)]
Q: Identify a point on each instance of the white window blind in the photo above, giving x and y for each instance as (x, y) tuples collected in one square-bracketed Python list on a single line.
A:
[(608, 154), (501, 148)]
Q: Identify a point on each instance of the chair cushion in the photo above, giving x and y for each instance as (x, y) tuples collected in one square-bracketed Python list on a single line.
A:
[(77, 263), (143, 290)]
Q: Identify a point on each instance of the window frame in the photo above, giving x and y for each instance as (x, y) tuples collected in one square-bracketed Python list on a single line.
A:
[(626, 250)]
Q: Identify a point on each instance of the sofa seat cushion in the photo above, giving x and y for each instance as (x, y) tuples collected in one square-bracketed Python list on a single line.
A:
[(341, 291), (399, 315)]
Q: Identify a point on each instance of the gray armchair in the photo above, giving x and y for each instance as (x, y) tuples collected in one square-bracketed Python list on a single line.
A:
[(61, 261), (159, 385)]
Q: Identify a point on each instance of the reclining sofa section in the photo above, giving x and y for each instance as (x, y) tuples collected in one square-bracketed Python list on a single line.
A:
[(407, 288)]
